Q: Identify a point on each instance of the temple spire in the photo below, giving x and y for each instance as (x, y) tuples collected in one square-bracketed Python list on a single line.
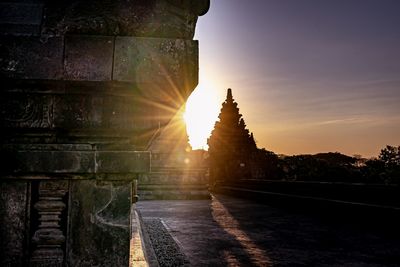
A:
[(229, 95)]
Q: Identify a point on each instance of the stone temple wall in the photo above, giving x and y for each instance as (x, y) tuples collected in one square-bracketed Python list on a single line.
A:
[(84, 87)]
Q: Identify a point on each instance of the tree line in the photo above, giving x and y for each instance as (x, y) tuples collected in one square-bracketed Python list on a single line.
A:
[(329, 167)]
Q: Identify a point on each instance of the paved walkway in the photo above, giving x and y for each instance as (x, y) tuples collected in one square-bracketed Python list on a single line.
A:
[(226, 231)]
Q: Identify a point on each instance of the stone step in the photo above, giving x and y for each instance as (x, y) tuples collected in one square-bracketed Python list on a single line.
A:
[(171, 186), (177, 192)]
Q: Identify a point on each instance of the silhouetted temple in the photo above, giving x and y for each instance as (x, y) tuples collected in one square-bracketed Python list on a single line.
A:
[(231, 146)]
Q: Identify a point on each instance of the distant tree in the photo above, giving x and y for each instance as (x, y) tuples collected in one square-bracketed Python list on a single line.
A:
[(303, 168), (231, 146), (265, 165), (384, 169), (332, 167), (390, 156), (336, 158), (374, 171)]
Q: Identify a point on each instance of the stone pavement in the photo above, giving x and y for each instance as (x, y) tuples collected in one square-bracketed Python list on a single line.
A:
[(225, 231)]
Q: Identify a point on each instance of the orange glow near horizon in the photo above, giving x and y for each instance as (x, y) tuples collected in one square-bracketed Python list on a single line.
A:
[(202, 109)]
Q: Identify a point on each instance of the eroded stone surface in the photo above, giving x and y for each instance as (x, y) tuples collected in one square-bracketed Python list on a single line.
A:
[(99, 223), (64, 118), (49, 161), (75, 162), (150, 18), (88, 57), (126, 161), (13, 214), (31, 58), (146, 60)]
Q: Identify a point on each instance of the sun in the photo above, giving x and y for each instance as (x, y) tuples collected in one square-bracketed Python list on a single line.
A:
[(202, 109)]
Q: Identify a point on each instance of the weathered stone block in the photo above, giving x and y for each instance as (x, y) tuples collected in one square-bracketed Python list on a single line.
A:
[(169, 65), (74, 162), (49, 161), (31, 58), (13, 228), (132, 113), (107, 112), (21, 18), (101, 211), (120, 112), (88, 58), (123, 161), (78, 111)]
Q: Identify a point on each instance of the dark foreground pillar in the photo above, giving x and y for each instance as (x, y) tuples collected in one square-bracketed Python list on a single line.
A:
[(84, 87)]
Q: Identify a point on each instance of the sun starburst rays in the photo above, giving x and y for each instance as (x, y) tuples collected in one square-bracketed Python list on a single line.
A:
[(202, 110)]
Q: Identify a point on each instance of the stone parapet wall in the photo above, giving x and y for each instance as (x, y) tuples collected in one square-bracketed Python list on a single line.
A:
[(176, 176), (174, 183)]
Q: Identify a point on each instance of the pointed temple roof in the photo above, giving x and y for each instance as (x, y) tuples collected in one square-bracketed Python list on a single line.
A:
[(229, 95)]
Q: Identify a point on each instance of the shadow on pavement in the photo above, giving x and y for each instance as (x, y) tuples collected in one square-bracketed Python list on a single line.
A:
[(226, 231)]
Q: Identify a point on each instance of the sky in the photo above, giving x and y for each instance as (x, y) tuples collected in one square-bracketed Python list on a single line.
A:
[(309, 76)]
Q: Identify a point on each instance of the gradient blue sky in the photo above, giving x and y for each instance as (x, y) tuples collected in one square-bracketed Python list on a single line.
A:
[(309, 75)]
